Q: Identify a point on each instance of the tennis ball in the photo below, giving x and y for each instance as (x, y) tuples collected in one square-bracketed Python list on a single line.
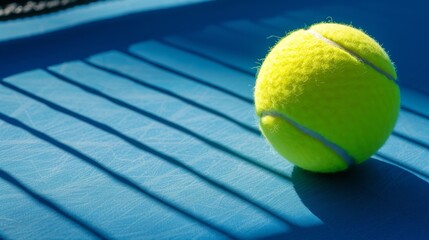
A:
[(327, 97)]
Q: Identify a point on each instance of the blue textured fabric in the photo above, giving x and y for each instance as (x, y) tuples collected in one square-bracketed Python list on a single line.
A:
[(137, 127)]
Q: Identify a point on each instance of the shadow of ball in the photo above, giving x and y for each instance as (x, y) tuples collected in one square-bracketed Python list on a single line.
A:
[(374, 200)]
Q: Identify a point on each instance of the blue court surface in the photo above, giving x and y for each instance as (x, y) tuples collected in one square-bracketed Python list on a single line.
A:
[(135, 120)]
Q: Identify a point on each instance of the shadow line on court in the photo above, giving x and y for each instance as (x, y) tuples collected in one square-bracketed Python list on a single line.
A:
[(150, 150), (208, 57), (114, 175), (194, 79), (402, 165), (410, 139), (172, 125), (43, 200), (165, 157), (417, 113), (176, 96)]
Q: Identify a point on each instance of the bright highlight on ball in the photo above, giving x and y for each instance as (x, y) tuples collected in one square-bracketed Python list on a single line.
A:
[(327, 97)]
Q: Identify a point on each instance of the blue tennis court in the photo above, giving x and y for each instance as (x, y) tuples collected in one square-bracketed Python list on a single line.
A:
[(135, 120)]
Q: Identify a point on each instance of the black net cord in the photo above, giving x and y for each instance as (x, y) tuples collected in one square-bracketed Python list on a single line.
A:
[(11, 9)]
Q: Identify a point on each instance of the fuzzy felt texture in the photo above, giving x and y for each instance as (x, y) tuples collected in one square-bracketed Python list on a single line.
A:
[(330, 91)]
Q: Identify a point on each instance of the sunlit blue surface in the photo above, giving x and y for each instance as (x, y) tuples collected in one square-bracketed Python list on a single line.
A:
[(125, 133)]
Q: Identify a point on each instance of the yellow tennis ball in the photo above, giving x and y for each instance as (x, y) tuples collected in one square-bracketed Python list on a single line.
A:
[(327, 97)]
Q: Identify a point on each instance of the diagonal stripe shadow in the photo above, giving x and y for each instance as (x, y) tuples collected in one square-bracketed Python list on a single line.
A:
[(114, 175), (402, 165), (205, 56), (45, 201), (422, 115), (191, 78), (177, 96), (191, 133), (411, 140), (168, 123), (152, 151)]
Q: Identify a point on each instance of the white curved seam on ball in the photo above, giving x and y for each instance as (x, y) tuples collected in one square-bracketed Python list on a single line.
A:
[(334, 147), (353, 54)]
